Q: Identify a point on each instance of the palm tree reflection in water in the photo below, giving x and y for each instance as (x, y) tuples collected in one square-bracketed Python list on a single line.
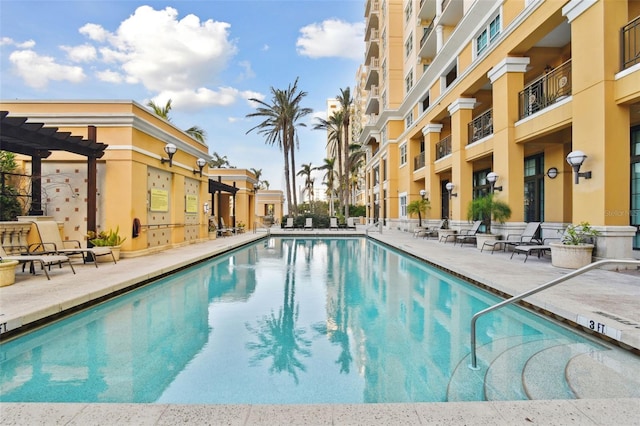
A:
[(278, 337)]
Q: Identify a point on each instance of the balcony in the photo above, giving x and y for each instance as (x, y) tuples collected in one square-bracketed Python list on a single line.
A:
[(443, 148), (418, 161), (372, 74), (546, 90), (425, 32), (373, 104), (372, 48), (630, 43), (481, 126)]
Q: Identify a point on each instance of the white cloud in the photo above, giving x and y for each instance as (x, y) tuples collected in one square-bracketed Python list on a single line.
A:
[(8, 41), (81, 53), (332, 38), (37, 70), (189, 99), (110, 76), (163, 53)]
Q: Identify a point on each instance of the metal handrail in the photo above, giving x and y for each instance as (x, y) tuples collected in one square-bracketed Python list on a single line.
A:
[(474, 361)]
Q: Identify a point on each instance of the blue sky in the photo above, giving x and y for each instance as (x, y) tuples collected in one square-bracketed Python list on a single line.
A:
[(208, 56)]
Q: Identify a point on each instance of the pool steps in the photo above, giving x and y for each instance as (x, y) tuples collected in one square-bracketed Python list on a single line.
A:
[(527, 368)]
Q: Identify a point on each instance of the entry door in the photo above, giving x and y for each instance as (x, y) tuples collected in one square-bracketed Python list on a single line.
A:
[(444, 194), (534, 189)]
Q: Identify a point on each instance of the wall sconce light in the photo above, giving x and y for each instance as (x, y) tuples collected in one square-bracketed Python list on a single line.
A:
[(493, 178), (450, 187), (423, 194), (256, 187), (552, 173), (575, 160), (170, 149), (200, 162)]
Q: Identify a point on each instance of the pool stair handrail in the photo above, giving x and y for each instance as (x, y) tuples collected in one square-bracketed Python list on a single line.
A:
[(594, 265)]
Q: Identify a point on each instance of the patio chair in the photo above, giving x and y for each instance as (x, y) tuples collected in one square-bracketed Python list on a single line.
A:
[(289, 224), (469, 235), (529, 249), (333, 223), (350, 223), (51, 243), (225, 230), (432, 231), (308, 223), (528, 236), (45, 260)]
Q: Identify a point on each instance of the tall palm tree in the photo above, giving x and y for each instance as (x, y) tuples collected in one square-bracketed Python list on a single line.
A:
[(306, 171), (219, 162), (357, 157), (258, 175), (346, 102), (329, 179), (281, 117), (333, 126), (197, 132)]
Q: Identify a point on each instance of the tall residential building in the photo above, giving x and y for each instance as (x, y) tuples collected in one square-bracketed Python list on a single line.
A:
[(457, 89)]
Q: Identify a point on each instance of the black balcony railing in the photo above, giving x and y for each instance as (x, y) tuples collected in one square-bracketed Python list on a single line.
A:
[(630, 43), (418, 161), (546, 90), (481, 126), (426, 31), (443, 148)]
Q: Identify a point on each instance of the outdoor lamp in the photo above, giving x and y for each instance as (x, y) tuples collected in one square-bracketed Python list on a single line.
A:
[(575, 160), (200, 162), (170, 149), (492, 178), (450, 187), (423, 193)]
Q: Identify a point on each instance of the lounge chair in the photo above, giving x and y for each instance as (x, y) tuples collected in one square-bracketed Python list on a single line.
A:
[(289, 224), (528, 249), (432, 231), (350, 223), (45, 260), (468, 236), (51, 243), (529, 236), (225, 230), (333, 223), (308, 223)]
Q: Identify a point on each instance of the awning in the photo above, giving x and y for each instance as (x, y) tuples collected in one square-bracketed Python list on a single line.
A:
[(35, 140), (215, 186)]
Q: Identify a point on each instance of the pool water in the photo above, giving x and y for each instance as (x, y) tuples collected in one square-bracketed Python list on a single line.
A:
[(281, 321)]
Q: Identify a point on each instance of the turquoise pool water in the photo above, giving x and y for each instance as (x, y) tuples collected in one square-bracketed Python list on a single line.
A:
[(284, 320)]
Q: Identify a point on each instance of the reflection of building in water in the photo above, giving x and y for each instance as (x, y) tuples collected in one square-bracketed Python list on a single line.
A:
[(137, 356)]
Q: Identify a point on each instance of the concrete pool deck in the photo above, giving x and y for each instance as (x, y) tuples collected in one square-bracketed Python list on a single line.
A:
[(606, 297)]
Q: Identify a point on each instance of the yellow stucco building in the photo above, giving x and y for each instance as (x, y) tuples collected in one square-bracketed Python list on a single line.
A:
[(156, 200), (459, 89)]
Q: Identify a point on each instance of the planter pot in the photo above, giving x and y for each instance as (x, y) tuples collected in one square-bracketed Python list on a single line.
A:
[(8, 272), (105, 259), (571, 256), (481, 238)]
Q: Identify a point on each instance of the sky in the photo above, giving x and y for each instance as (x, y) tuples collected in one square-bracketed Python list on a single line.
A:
[(208, 56)]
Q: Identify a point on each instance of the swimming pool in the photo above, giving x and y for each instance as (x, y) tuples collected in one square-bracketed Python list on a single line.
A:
[(284, 320)]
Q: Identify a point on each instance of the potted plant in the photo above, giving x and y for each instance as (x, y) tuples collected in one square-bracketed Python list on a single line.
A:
[(575, 248), (111, 239), (240, 225), (418, 207), (487, 208), (7, 272)]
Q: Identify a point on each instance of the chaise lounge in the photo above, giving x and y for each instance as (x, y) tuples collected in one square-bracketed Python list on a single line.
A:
[(45, 261)]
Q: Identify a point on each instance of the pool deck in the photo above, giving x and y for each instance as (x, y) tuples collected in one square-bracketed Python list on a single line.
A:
[(609, 298)]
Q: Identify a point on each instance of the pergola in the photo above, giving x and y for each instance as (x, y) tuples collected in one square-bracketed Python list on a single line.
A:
[(218, 186), (37, 141)]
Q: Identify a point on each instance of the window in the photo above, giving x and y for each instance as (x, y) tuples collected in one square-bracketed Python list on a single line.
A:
[(425, 103), (408, 11), (376, 175), (408, 46), (451, 76), (488, 35), (403, 206), (408, 121), (403, 154), (481, 185), (408, 81)]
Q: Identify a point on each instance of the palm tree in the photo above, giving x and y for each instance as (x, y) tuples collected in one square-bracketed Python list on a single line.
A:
[(218, 162), (487, 208), (280, 120), (329, 179), (258, 175), (418, 207), (306, 171), (345, 100), (333, 127), (196, 132), (357, 157), (162, 112)]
